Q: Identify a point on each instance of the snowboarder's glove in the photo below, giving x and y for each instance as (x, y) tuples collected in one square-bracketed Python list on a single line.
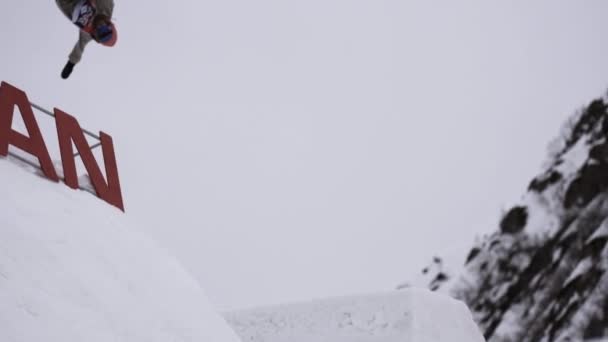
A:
[(67, 70)]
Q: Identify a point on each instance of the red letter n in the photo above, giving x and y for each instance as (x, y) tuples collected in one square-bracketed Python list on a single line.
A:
[(34, 144), (68, 131)]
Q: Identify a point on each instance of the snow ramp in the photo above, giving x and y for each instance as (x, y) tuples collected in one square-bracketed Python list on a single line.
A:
[(409, 315), (73, 269)]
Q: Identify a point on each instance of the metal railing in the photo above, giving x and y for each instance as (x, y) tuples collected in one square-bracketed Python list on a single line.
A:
[(77, 154), (92, 135)]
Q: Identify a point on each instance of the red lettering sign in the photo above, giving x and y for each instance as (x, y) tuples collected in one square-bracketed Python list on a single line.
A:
[(69, 133), (34, 144)]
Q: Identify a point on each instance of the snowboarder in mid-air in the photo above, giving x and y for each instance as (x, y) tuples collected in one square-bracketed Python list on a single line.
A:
[(93, 18)]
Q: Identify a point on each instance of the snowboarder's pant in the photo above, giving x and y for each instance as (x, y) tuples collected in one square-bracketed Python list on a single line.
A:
[(67, 7)]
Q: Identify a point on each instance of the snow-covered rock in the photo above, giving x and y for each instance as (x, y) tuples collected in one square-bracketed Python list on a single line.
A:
[(543, 275)]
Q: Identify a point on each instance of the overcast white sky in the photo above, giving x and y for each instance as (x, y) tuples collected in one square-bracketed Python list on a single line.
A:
[(284, 150)]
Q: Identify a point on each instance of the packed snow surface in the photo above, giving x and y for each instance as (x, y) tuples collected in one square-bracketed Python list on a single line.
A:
[(399, 316), (73, 269)]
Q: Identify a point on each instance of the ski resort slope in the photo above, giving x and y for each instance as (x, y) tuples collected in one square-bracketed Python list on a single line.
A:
[(401, 316), (73, 269)]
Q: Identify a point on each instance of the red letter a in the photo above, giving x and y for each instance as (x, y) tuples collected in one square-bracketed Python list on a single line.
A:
[(68, 131), (9, 98)]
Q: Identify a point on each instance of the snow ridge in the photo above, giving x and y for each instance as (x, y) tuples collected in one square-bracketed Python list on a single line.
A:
[(398, 316), (74, 269)]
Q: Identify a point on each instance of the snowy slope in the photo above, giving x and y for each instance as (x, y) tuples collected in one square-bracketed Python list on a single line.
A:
[(73, 269), (399, 316)]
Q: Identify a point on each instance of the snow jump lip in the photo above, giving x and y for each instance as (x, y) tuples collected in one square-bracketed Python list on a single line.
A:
[(69, 133)]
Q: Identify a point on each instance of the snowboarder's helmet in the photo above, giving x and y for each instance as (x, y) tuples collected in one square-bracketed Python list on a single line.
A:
[(105, 32)]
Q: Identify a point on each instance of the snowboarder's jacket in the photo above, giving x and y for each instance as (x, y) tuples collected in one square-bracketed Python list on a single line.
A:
[(80, 15)]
